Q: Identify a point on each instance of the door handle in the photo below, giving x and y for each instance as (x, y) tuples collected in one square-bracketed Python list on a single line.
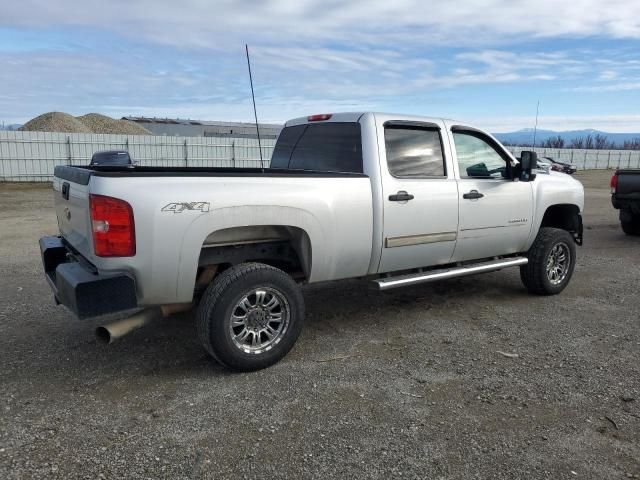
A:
[(472, 195), (401, 196)]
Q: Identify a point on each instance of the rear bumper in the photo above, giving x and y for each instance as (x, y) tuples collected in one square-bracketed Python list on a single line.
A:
[(80, 287)]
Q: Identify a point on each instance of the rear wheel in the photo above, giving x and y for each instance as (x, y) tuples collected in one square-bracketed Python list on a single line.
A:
[(631, 228), (250, 316), (552, 259)]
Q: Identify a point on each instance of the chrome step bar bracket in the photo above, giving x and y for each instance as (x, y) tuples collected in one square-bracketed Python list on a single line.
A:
[(442, 274)]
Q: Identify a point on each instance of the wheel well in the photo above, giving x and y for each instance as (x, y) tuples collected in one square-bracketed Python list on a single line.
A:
[(566, 217), (284, 247)]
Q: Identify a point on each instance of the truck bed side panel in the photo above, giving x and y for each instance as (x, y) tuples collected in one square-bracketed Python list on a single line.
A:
[(334, 212)]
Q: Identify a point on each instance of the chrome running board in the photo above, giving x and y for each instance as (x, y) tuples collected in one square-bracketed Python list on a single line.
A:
[(442, 274)]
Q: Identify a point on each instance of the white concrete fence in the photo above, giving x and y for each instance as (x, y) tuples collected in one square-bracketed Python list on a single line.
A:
[(32, 156), (587, 159)]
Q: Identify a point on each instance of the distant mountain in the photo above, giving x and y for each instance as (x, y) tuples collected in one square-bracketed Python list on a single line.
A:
[(525, 136), (13, 126)]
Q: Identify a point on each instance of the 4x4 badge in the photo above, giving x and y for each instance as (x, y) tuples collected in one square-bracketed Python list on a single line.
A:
[(181, 207)]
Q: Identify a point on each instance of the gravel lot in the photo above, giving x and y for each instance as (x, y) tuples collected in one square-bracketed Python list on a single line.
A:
[(405, 384)]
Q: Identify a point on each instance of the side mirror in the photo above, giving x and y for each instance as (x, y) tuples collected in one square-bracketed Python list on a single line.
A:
[(528, 165)]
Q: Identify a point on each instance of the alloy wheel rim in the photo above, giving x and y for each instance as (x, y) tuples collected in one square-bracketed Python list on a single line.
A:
[(259, 320), (558, 263)]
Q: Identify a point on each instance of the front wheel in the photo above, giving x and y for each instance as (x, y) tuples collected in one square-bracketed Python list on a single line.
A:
[(250, 316), (552, 258)]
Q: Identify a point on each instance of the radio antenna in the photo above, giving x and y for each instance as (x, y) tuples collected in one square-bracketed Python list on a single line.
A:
[(255, 112), (535, 128)]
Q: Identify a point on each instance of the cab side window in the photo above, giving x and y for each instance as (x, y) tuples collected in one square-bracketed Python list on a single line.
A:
[(414, 152), (477, 158)]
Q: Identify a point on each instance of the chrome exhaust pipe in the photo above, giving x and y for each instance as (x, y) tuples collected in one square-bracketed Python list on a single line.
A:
[(110, 333)]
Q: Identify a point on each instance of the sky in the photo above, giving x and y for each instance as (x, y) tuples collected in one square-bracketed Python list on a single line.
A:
[(485, 61)]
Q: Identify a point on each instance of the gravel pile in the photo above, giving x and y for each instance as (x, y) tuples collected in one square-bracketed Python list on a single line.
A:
[(89, 123), (55, 122), (103, 124)]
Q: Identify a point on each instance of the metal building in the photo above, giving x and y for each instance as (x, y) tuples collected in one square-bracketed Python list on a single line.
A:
[(199, 128)]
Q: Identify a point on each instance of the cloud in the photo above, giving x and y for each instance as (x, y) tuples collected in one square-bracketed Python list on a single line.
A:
[(613, 72), (186, 58), (612, 87), (608, 75), (220, 24), (290, 81)]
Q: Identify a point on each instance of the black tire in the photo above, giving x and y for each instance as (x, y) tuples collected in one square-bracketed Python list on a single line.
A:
[(220, 301), (631, 228), (534, 275)]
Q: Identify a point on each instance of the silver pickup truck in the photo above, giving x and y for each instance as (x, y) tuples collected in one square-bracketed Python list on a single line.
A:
[(395, 200)]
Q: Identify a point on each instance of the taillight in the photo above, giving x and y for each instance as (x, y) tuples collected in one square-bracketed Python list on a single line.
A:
[(114, 233), (320, 117), (614, 183)]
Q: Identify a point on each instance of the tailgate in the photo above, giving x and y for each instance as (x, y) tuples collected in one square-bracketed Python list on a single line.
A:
[(71, 200)]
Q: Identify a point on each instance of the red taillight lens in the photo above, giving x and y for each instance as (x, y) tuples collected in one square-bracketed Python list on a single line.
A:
[(614, 183), (320, 117), (114, 233)]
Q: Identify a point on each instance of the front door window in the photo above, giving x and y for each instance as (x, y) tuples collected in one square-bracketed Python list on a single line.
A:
[(477, 158)]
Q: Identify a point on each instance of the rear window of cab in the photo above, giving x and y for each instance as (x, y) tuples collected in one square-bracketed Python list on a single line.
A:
[(323, 147)]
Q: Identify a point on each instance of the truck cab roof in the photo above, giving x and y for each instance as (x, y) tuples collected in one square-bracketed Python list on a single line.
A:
[(355, 117)]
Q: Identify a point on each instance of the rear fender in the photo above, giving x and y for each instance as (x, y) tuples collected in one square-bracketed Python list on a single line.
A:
[(229, 225)]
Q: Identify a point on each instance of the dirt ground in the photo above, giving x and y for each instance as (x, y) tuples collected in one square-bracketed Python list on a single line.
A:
[(404, 384)]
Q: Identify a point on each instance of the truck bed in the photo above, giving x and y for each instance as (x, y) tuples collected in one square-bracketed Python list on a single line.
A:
[(333, 209)]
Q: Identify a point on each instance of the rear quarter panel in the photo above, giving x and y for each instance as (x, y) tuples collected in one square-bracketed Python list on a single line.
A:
[(335, 212)]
